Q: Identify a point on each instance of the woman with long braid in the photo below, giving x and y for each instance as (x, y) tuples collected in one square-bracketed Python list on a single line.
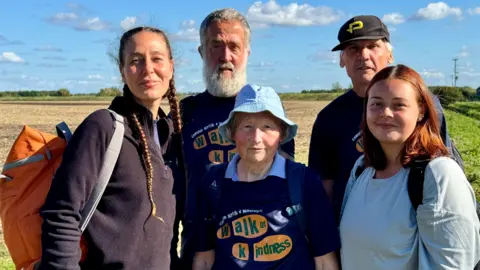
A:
[(133, 224)]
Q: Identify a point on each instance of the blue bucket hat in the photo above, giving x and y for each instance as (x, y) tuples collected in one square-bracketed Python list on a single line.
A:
[(255, 99)]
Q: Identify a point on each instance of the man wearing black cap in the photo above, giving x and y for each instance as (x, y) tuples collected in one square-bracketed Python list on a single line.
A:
[(336, 144)]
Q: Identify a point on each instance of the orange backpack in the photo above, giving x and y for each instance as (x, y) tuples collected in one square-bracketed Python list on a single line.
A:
[(25, 181)]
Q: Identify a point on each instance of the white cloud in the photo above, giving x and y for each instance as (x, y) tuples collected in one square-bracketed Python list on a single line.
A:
[(464, 52), (11, 57), (187, 33), (393, 18), (29, 78), (271, 13), (259, 25), (432, 74), (474, 11), (182, 62), (285, 86), (92, 24), (188, 24), (95, 77), (324, 56), (48, 48), (437, 11), (471, 74), (49, 65), (194, 81), (264, 64), (63, 17), (128, 23), (78, 7), (55, 58)]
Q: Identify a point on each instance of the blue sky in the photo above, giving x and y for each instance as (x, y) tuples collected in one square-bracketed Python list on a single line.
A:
[(55, 44)]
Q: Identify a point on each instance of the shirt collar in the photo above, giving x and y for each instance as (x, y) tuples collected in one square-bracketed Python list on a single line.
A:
[(277, 169)]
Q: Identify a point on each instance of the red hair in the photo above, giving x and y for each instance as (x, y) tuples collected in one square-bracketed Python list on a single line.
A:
[(425, 142)]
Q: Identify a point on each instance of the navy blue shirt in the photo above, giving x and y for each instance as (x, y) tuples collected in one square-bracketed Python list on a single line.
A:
[(253, 228), (336, 142), (202, 146)]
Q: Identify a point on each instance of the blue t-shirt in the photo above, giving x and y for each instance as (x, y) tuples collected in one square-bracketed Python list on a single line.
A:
[(336, 141), (254, 228)]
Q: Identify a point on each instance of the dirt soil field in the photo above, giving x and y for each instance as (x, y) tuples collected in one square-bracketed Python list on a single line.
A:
[(45, 115)]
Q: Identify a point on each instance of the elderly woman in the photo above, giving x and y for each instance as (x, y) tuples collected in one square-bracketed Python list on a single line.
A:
[(249, 215)]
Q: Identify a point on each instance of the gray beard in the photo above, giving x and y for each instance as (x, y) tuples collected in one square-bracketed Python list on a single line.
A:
[(219, 86)]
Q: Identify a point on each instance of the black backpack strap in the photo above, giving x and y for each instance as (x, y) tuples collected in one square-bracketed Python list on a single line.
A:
[(359, 170), (416, 178), (455, 154), (295, 173)]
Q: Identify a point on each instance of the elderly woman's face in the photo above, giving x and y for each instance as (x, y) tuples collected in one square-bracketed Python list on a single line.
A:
[(257, 136)]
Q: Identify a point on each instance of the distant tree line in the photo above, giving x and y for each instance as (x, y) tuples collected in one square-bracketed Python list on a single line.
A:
[(446, 94), (449, 94), (63, 92)]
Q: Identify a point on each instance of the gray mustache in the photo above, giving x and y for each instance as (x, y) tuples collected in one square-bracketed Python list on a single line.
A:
[(225, 65)]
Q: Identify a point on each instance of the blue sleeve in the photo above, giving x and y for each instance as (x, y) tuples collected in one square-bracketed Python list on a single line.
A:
[(321, 155), (448, 224), (322, 233), (442, 122)]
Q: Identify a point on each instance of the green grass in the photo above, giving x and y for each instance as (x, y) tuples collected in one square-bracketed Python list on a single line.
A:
[(5, 260), (471, 109), (465, 132)]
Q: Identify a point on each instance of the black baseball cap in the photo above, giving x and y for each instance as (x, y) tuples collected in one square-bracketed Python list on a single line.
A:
[(361, 27)]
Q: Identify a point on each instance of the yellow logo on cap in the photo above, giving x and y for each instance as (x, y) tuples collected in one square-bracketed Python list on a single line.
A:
[(355, 26)]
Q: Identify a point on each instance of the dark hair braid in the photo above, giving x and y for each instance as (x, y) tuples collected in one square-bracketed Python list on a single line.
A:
[(147, 163), (173, 102)]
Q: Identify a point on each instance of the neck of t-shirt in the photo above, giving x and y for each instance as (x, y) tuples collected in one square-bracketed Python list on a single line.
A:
[(249, 173)]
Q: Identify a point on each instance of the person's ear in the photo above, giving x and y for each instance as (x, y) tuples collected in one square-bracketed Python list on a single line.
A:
[(342, 63), (390, 58), (421, 113), (200, 51)]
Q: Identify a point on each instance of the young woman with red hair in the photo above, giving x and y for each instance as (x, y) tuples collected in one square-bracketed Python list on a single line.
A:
[(380, 227)]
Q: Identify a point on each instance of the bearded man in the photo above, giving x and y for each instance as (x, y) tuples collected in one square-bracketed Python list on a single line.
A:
[(224, 49)]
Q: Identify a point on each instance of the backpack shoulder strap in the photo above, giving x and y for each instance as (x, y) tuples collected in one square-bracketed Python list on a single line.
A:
[(109, 161), (416, 178), (359, 170), (295, 173)]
